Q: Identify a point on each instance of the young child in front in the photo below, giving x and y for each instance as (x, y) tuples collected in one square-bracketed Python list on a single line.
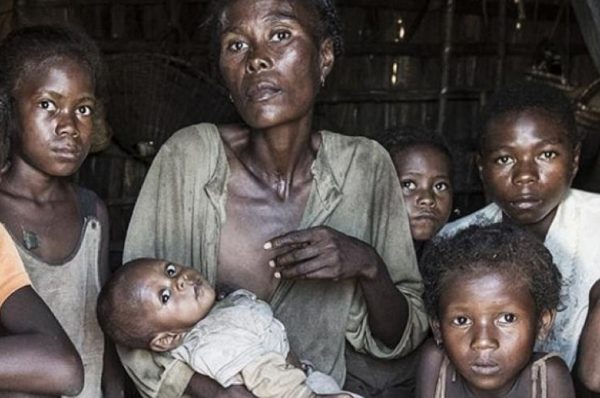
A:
[(53, 77), (528, 156), (424, 167), (157, 305), (490, 292)]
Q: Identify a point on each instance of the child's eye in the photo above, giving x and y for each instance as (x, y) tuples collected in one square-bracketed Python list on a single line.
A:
[(281, 35), (170, 270), (441, 186), (47, 105), (460, 321), (408, 185), (165, 295), (508, 318), (548, 155), (85, 110), (503, 160)]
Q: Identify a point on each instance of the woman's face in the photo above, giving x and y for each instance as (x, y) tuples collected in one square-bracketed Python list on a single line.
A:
[(270, 60)]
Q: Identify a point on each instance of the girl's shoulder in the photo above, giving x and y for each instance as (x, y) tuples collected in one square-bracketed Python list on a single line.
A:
[(548, 372)]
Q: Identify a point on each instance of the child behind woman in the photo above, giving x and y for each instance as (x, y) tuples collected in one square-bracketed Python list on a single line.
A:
[(157, 305), (490, 293), (424, 167), (53, 78)]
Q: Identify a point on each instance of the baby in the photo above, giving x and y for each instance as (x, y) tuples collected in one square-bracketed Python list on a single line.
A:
[(490, 292), (157, 305)]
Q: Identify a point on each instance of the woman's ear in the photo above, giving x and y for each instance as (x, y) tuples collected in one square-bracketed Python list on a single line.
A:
[(165, 341), (326, 58), (545, 322), (434, 323), (575, 162)]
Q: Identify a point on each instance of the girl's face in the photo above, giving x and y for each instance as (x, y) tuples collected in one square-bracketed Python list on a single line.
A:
[(270, 61), (488, 326), (424, 174), (55, 103), (527, 165)]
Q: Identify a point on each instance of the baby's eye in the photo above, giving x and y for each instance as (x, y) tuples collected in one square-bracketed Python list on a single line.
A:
[(165, 295), (460, 321), (441, 186), (47, 105), (408, 184), (281, 35), (170, 270), (508, 318), (503, 160), (548, 155)]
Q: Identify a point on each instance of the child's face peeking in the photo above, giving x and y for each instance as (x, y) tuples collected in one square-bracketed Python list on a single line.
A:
[(527, 164), (425, 177), (173, 297), (488, 326), (55, 102)]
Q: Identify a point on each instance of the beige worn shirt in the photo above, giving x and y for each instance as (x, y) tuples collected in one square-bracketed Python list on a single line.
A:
[(179, 215)]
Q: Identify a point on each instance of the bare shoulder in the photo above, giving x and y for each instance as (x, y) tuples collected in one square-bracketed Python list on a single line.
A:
[(431, 358), (558, 379)]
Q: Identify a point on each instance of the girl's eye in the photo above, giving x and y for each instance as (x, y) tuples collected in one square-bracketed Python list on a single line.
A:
[(170, 270), (460, 321), (281, 35), (47, 105), (165, 295), (441, 186), (408, 184), (548, 155), (503, 160), (508, 318)]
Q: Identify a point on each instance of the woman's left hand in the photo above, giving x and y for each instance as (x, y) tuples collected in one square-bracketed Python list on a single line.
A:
[(322, 253)]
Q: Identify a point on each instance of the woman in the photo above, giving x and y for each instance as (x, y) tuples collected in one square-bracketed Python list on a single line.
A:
[(310, 221)]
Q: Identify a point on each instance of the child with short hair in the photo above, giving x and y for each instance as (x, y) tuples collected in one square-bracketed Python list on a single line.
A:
[(53, 80), (528, 155), (161, 306), (423, 164), (490, 293)]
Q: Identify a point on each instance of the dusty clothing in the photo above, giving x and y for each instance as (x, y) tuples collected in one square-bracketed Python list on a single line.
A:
[(538, 378), (70, 290), (241, 342), (12, 271), (573, 242), (180, 212)]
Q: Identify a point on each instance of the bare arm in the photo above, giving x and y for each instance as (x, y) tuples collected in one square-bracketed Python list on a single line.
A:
[(430, 363), (204, 387), (36, 356), (560, 384), (589, 343), (113, 375)]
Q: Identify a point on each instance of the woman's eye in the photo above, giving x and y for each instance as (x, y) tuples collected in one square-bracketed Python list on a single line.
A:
[(85, 110), (508, 318), (237, 46), (502, 160), (441, 186), (170, 270), (281, 35), (165, 295), (460, 321), (408, 184)]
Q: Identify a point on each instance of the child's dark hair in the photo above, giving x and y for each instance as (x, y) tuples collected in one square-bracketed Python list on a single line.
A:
[(495, 248), (329, 25), (529, 95), (26, 48), (120, 313)]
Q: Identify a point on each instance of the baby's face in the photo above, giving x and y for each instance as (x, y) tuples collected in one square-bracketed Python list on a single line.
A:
[(425, 177), (174, 297), (488, 326)]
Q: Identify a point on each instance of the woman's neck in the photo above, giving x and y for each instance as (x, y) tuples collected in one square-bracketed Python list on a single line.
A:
[(22, 180)]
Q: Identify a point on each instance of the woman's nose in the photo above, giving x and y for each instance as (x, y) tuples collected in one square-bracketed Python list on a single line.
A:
[(67, 124), (525, 172), (258, 60)]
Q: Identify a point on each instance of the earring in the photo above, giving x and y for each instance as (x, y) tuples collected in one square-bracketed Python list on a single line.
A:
[(438, 342), (322, 80), (231, 98)]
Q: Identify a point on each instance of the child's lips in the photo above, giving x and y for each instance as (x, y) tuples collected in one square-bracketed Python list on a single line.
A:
[(485, 367)]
